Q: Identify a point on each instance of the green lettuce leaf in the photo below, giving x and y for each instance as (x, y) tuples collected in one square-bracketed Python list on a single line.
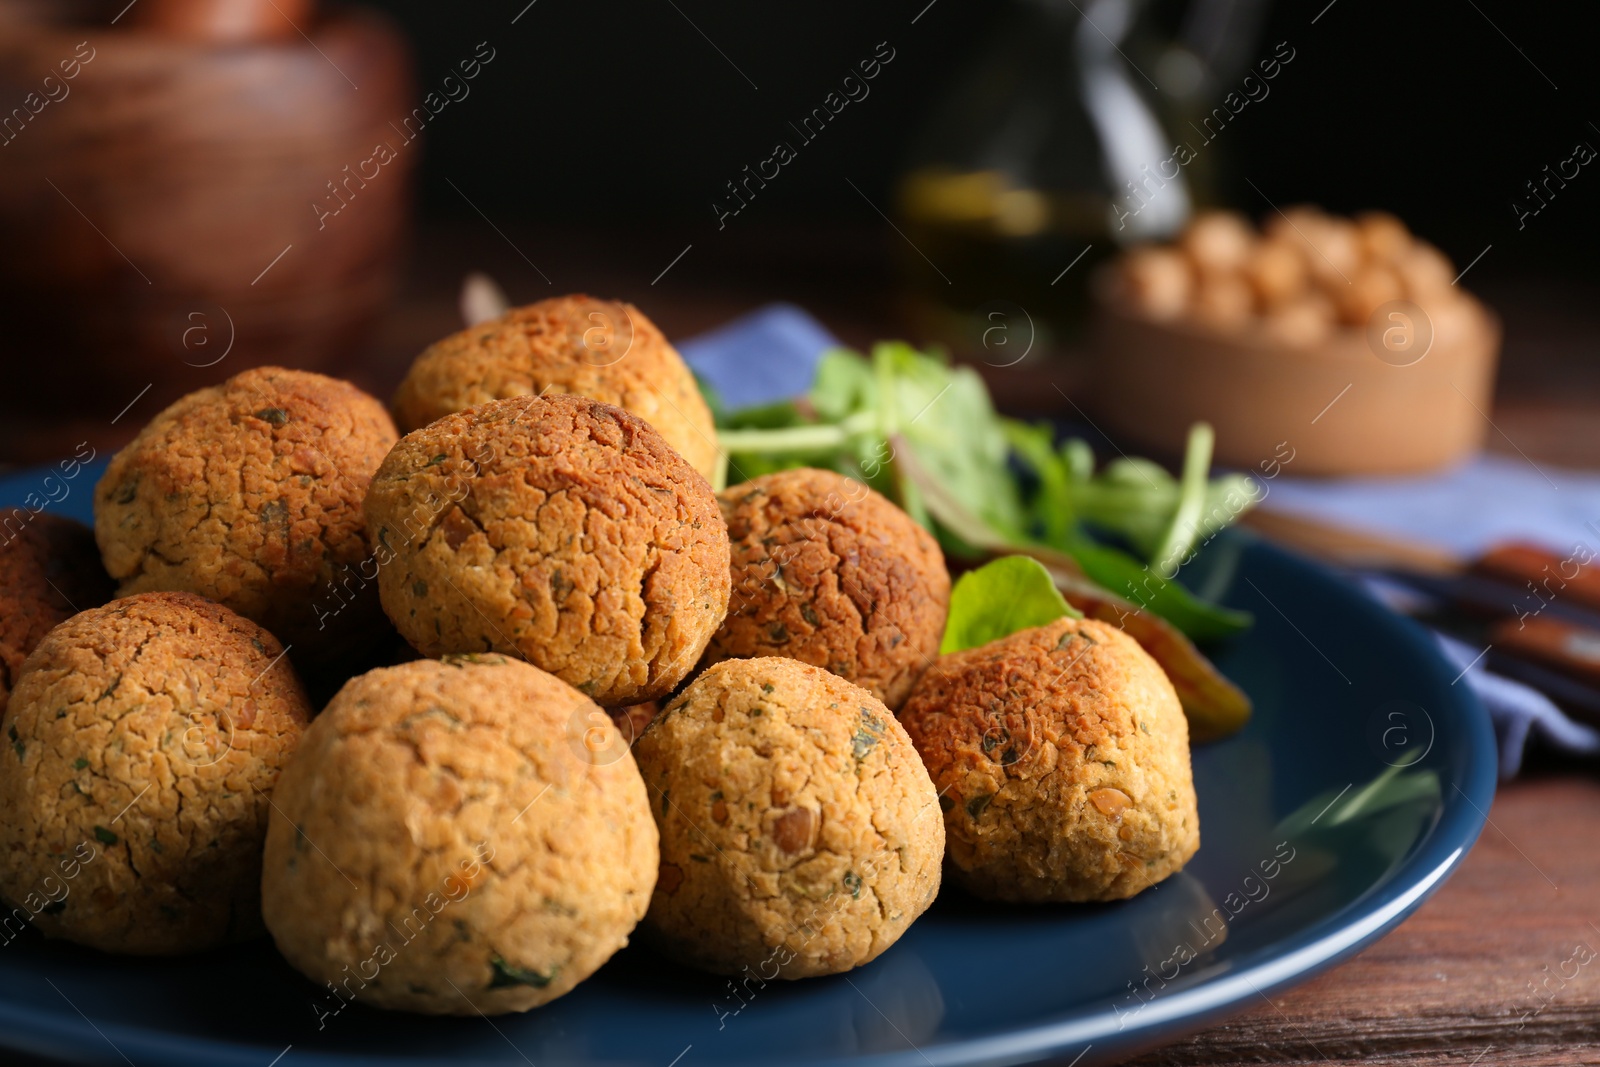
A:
[(999, 598)]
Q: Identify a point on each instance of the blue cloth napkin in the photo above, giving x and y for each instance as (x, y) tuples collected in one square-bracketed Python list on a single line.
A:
[(1530, 502), (771, 354)]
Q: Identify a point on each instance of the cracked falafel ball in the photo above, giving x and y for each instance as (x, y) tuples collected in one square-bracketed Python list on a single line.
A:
[(557, 529), (601, 349), (1061, 755), (458, 837), (829, 572), (800, 834), (144, 738), (49, 570), (249, 493)]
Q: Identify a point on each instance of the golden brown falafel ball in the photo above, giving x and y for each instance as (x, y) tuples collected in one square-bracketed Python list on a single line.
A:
[(250, 493), (829, 572), (1062, 759), (557, 529), (601, 349), (144, 739), (492, 823), (49, 570), (800, 834)]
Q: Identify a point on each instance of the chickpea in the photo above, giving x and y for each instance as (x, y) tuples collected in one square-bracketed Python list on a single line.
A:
[(1369, 289), (1277, 271), (1300, 323), (1218, 241), (1223, 302), (1155, 282), (1335, 255), (1384, 238), (1425, 271), (1306, 277), (1454, 317), (1296, 223), (1331, 245)]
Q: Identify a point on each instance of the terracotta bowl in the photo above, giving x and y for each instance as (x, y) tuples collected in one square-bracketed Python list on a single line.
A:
[(1375, 401), (163, 210)]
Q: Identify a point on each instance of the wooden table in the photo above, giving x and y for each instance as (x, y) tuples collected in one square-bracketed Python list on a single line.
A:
[(1474, 977)]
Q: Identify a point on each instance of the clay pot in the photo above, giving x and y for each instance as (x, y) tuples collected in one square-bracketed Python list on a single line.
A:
[(1342, 406), (166, 202)]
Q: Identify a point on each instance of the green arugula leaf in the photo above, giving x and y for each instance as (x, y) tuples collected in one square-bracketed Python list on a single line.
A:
[(999, 598), (1398, 785), (1125, 576), (843, 385), (779, 415)]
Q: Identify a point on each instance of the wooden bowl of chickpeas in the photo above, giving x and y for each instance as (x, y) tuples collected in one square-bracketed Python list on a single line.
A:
[(1344, 342)]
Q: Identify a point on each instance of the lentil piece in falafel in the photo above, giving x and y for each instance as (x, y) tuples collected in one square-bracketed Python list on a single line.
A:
[(1062, 758), (800, 834), (557, 529), (601, 349)]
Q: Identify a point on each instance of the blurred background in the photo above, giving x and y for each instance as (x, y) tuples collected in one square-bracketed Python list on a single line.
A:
[(618, 149)]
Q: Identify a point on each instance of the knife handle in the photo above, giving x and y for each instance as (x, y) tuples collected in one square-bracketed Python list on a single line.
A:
[(1542, 575), (1572, 650)]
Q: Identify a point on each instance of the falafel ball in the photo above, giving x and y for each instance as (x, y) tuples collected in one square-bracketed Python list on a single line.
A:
[(144, 739), (800, 834), (249, 493), (49, 570), (601, 349), (557, 529), (1061, 755), (829, 572), (458, 837)]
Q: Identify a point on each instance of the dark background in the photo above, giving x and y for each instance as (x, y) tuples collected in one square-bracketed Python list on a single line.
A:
[(603, 112)]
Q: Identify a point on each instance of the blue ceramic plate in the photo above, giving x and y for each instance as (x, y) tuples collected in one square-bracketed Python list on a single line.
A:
[(1359, 785)]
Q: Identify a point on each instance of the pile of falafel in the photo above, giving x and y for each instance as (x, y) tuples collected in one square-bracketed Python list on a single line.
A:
[(621, 698)]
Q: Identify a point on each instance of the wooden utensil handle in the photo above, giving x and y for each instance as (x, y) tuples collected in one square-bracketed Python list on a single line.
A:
[(225, 21), (1537, 572), (1572, 650)]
